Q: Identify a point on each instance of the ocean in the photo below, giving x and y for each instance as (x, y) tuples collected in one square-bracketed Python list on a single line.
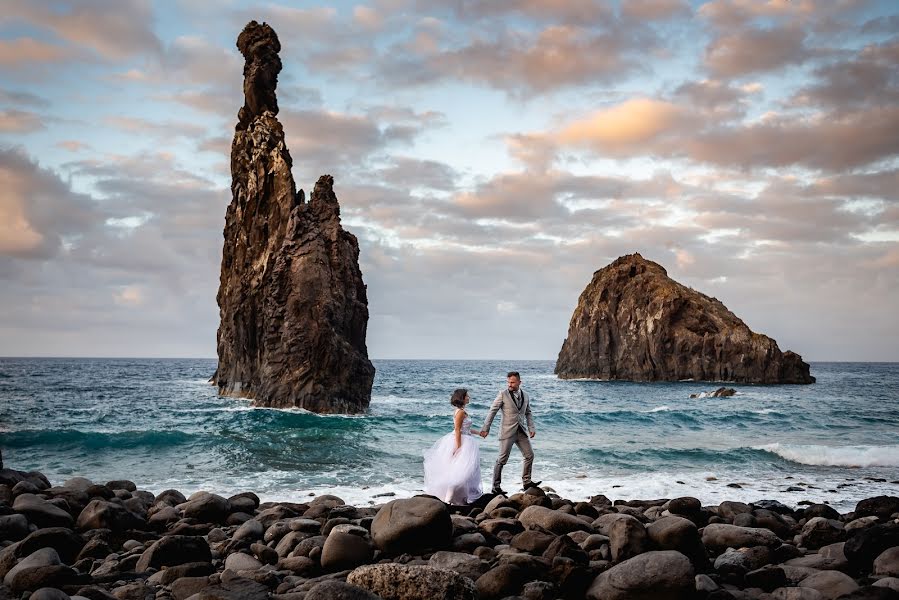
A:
[(160, 424)]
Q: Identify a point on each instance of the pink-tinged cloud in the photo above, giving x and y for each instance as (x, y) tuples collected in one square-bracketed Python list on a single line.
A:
[(756, 50), (37, 209), (827, 141), (72, 145), (113, 32), (19, 121), (567, 11), (654, 10), (625, 128), (20, 52)]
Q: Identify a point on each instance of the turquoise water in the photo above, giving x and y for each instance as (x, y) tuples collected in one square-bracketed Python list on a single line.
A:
[(159, 423)]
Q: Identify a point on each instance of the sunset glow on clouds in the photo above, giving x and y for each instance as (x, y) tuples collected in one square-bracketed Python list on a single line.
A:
[(489, 156)]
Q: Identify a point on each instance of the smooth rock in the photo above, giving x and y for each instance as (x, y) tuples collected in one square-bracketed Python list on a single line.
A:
[(865, 545), (831, 584), (720, 536), (654, 575), (207, 507), (174, 550), (412, 525), (66, 542), (49, 593), (42, 513), (13, 527), (796, 593), (460, 562), (100, 514), (552, 520), (345, 551), (501, 581), (339, 590), (879, 506), (887, 563), (43, 557), (819, 531), (627, 538), (239, 561)]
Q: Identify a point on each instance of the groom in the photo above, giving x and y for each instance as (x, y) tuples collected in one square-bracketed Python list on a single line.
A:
[(516, 406)]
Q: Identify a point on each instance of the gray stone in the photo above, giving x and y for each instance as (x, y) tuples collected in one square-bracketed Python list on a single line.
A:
[(185, 587), (888, 582), (136, 590), (13, 527), (100, 514), (49, 593), (555, 521), (627, 538), (174, 550), (66, 542), (339, 590), (830, 584), (39, 558), (345, 551), (207, 507), (720, 536), (250, 530), (796, 593), (239, 561), (41, 512), (460, 562), (412, 525), (887, 563), (654, 575), (394, 581), (819, 531), (501, 581)]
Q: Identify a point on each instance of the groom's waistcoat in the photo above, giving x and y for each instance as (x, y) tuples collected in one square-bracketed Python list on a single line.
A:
[(514, 417)]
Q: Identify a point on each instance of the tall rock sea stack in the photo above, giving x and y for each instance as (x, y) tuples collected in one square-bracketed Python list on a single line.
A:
[(291, 298), (635, 323)]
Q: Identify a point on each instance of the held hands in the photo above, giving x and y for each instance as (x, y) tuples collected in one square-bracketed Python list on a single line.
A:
[(483, 434), (533, 433)]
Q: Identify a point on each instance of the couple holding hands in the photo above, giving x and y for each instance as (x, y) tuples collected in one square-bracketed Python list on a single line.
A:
[(453, 464)]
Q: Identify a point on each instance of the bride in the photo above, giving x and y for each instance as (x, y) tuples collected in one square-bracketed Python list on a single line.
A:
[(453, 463)]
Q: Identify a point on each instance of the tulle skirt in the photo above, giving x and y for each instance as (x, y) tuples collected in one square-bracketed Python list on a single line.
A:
[(454, 479)]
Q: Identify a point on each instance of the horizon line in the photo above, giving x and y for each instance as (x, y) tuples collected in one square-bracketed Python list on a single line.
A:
[(92, 357)]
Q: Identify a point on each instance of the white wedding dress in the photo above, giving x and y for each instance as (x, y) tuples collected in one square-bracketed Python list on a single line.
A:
[(455, 479)]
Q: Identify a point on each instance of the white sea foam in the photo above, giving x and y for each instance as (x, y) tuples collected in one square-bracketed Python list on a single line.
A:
[(836, 456), (663, 408)]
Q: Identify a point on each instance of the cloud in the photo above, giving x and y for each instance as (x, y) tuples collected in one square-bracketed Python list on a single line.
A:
[(20, 98), (19, 53), (111, 34), (19, 121), (625, 128), (756, 50), (654, 9), (38, 211)]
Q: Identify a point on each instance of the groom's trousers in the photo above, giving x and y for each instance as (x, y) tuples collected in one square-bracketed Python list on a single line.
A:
[(523, 442)]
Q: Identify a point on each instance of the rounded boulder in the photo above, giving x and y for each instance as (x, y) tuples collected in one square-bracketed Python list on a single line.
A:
[(412, 525), (654, 575)]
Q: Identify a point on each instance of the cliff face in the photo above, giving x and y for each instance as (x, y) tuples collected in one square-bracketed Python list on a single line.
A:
[(633, 322), (292, 302)]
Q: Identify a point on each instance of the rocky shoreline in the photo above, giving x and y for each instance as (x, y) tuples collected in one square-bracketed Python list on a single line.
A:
[(113, 541)]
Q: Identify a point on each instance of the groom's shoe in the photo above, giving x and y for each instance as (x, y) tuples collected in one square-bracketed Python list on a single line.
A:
[(498, 491), (531, 484)]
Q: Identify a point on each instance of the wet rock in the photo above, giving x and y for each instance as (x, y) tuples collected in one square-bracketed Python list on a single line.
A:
[(100, 514), (865, 545), (879, 506), (43, 557), (207, 508), (394, 581), (533, 541), (566, 547), (41, 512), (656, 575), (412, 525), (820, 531), (820, 510), (249, 530), (728, 510), (739, 561), (13, 527), (234, 588), (66, 542), (633, 322), (678, 533), (174, 550)]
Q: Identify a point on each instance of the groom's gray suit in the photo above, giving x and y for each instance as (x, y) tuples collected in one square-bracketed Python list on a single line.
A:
[(517, 423)]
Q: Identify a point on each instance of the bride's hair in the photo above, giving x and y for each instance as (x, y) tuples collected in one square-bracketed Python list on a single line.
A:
[(458, 397)]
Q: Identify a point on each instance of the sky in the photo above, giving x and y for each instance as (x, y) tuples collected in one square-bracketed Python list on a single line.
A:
[(490, 156)]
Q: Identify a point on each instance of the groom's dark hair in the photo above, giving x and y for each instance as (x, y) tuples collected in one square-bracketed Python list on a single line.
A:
[(458, 397), (513, 374)]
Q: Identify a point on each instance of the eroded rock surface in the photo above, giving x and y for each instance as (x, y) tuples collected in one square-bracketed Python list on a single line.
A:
[(293, 306), (633, 322)]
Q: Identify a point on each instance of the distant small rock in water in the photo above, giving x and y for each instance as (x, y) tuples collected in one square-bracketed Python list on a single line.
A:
[(722, 392), (635, 323), (292, 302)]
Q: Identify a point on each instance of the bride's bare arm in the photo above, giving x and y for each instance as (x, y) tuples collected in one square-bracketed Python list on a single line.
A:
[(460, 416)]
